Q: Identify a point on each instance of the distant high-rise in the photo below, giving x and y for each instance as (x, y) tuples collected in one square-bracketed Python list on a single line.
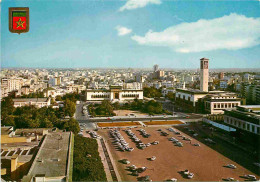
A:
[(204, 74), (156, 68)]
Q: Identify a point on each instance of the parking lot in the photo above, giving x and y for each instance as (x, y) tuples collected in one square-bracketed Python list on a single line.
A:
[(205, 163)]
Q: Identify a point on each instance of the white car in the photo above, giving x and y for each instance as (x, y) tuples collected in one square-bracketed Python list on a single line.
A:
[(155, 142), (132, 167), (251, 177), (190, 175), (186, 172), (196, 144), (152, 158), (232, 166), (130, 149), (173, 179), (125, 161), (148, 145)]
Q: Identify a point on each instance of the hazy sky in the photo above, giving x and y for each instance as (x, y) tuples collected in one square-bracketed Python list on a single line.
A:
[(134, 33)]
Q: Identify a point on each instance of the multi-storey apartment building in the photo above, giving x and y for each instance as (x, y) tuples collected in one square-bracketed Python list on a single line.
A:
[(11, 84), (251, 92)]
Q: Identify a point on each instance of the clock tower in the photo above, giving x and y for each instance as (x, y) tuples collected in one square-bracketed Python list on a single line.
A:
[(204, 74)]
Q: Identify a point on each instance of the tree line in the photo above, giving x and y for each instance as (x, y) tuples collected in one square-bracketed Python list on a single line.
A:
[(106, 108), (45, 117)]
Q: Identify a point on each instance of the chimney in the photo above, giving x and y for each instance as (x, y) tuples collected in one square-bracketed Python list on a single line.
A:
[(14, 160)]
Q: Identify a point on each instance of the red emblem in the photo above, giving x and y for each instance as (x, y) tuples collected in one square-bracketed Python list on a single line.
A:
[(19, 20)]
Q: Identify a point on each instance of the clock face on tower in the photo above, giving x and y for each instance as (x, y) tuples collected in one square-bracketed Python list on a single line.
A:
[(206, 65)]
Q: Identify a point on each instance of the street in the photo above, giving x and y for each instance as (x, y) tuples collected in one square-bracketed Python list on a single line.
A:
[(89, 121)]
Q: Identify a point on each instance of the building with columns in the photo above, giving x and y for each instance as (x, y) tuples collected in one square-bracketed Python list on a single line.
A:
[(114, 93)]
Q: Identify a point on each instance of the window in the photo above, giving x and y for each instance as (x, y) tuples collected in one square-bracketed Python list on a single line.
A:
[(248, 127), (253, 128)]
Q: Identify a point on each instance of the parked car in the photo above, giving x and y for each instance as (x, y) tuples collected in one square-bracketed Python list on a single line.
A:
[(250, 177), (152, 158), (125, 161), (190, 175), (232, 166), (155, 142), (186, 171), (173, 180), (230, 179)]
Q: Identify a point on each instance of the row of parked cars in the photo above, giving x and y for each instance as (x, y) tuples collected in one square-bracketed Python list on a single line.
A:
[(136, 171), (248, 177), (137, 140), (93, 134), (176, 141), (188, 174), (120, 141), (174, 131), (85, 110), (144, 133)]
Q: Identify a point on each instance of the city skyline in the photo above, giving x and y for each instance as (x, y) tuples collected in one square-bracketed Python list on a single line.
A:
[(128, 34)]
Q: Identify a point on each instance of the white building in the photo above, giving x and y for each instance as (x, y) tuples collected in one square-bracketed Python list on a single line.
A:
[(38, 102), (133, 86), (12, 84), (213, 102), (75, 88), (115, 93), (55, 81), (217, 103)]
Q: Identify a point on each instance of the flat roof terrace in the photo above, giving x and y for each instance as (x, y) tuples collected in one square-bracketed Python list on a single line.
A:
[(51, 160)]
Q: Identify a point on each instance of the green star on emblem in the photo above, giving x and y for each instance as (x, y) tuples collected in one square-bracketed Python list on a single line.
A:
[(20, 23)]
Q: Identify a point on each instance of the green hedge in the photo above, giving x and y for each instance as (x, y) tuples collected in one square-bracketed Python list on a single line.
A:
[(87, 164)]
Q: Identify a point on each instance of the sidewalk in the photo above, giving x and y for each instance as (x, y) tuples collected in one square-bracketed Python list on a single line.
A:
[(112, 161), (104, 161)]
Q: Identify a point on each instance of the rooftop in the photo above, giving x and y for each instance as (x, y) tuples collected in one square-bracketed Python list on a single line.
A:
[(51, 160), (25, 131), (6, 130), (251, 108), (30, 99), (245, 113), (193, 91)]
